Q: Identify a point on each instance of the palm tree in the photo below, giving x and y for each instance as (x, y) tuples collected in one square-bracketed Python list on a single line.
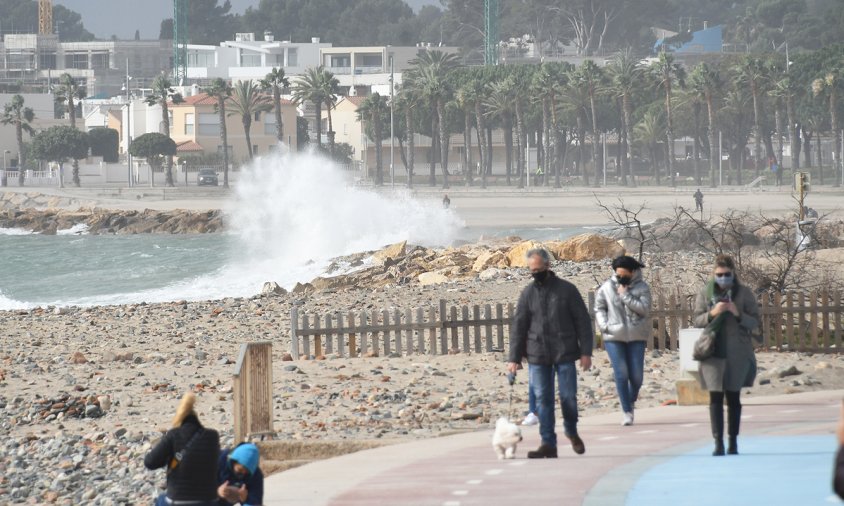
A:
[(466, 98), (67, 94), (706, 82), (667, 73), (591, 77), (830, 85), (576, 102), (499, 103), (309, 88), (330, 93), (406, 101), (163, 94), (752, 73), (546, 89), (649, 131), (222, 91), (430, 75), (15, 113), (248, 103), (787, 90), (626, 74), (275, 81), (373, 111)]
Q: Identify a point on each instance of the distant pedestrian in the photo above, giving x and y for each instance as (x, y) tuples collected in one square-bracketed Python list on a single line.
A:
[(189, 451), (698, 201), (446, 202), (729, 309), (838, 480), (622, 310), (553, 330), (239, 477)]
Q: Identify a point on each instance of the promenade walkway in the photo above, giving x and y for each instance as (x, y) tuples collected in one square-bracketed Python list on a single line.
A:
[(787, 449)]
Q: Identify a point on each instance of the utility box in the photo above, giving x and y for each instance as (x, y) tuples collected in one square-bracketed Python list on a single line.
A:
[(689, 392)]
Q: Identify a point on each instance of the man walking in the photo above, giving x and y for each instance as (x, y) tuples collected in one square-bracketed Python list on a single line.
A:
[(552, 329), (698, 201)]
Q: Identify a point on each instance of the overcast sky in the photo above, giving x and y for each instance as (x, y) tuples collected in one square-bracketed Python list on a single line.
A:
[(105, 18)]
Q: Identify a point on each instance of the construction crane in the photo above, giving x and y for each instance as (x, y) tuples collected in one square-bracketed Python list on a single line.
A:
[(45, 17), (490, 32), (180, 41)]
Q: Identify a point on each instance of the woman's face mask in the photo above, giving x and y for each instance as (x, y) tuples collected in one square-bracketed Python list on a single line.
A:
[(724, 279)]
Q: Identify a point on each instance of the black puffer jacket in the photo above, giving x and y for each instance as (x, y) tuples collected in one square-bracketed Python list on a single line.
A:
[(195, 478), (552, 324)]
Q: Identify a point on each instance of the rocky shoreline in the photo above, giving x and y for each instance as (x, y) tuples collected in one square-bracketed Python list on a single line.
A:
[(102, 221), (85, 392)]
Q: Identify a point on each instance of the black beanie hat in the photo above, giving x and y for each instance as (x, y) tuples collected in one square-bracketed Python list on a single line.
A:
[(627, 262)]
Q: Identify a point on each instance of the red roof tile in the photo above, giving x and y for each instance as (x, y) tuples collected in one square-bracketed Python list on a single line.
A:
[(188, 147)]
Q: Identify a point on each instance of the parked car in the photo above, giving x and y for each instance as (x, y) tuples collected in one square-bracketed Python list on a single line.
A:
[(207, 177)]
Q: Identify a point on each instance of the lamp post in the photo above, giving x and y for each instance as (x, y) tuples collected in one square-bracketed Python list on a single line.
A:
[(185, 168), (126, 88), (392, 126)]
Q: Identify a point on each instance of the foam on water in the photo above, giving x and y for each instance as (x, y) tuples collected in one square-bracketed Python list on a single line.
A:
[(289, 216), (15, 231)]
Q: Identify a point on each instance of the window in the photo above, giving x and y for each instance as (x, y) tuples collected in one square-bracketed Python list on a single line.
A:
[(169, 120), (209, 123), (99, 61), (257, 115), (269, 124), (250, 60), (189, 123), (76, 60), (369, 60), (292, 57), (199, 59)]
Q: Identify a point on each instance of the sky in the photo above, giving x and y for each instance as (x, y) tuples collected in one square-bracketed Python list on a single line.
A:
[(105, 18)]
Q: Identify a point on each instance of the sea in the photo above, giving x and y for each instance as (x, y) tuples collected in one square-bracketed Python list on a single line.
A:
[(289, 216)]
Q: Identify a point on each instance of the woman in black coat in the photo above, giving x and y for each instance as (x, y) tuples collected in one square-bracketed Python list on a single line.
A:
[(189, 451)]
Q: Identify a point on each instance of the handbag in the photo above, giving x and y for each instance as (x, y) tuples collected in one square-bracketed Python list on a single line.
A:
[(705, 344)]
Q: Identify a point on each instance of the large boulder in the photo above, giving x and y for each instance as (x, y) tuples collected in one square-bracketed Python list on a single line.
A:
[(490, 259), (586, 247), (432, 278), (517, 255), (272, 288), (393, 251)]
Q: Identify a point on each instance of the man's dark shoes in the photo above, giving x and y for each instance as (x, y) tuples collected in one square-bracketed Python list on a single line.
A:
[(577, 444), (543, 452)]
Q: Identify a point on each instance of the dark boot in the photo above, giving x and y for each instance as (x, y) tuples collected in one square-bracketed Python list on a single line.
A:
[(577, 444), (716, 420), (733, 423), (543, 452)]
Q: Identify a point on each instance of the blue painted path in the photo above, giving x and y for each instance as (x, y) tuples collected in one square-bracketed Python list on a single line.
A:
[(771, 471)]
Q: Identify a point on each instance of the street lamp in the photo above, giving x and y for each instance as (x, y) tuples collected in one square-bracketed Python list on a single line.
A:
[(392, 126), (126, 88)]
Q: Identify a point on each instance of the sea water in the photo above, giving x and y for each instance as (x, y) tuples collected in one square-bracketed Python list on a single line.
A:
[(288, 217)]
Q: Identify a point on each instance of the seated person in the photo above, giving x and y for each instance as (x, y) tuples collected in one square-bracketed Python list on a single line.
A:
[(239, 477)]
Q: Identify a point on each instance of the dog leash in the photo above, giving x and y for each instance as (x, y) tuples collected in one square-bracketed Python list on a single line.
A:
[(511, 378)]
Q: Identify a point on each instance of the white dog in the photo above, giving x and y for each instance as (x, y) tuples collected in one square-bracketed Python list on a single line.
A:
[(507, 435)]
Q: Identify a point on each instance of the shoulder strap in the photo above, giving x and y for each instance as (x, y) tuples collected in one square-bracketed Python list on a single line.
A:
[(180, 455)]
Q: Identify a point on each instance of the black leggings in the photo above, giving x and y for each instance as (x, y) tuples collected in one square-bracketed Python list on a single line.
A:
[(733, 400)]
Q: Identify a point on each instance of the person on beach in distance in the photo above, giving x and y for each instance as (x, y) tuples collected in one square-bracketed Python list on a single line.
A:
[(241, 480), (189, 451), (553, 330), (446, 201), (698, 200), (622, 307), (838, 472), (730, 309)]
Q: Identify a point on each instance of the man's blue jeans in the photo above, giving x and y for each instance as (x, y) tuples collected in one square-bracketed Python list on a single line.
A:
[(542, 384), (531, 398), (628, 364)]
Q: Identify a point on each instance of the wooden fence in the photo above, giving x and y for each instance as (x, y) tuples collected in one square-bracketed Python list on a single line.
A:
[(789, 322), (252, 389)]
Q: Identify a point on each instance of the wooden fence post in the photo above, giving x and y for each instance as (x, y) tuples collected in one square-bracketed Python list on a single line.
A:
[(294, 338)]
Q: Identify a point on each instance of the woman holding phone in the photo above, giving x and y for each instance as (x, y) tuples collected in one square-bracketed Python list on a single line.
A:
[(730, 310)]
